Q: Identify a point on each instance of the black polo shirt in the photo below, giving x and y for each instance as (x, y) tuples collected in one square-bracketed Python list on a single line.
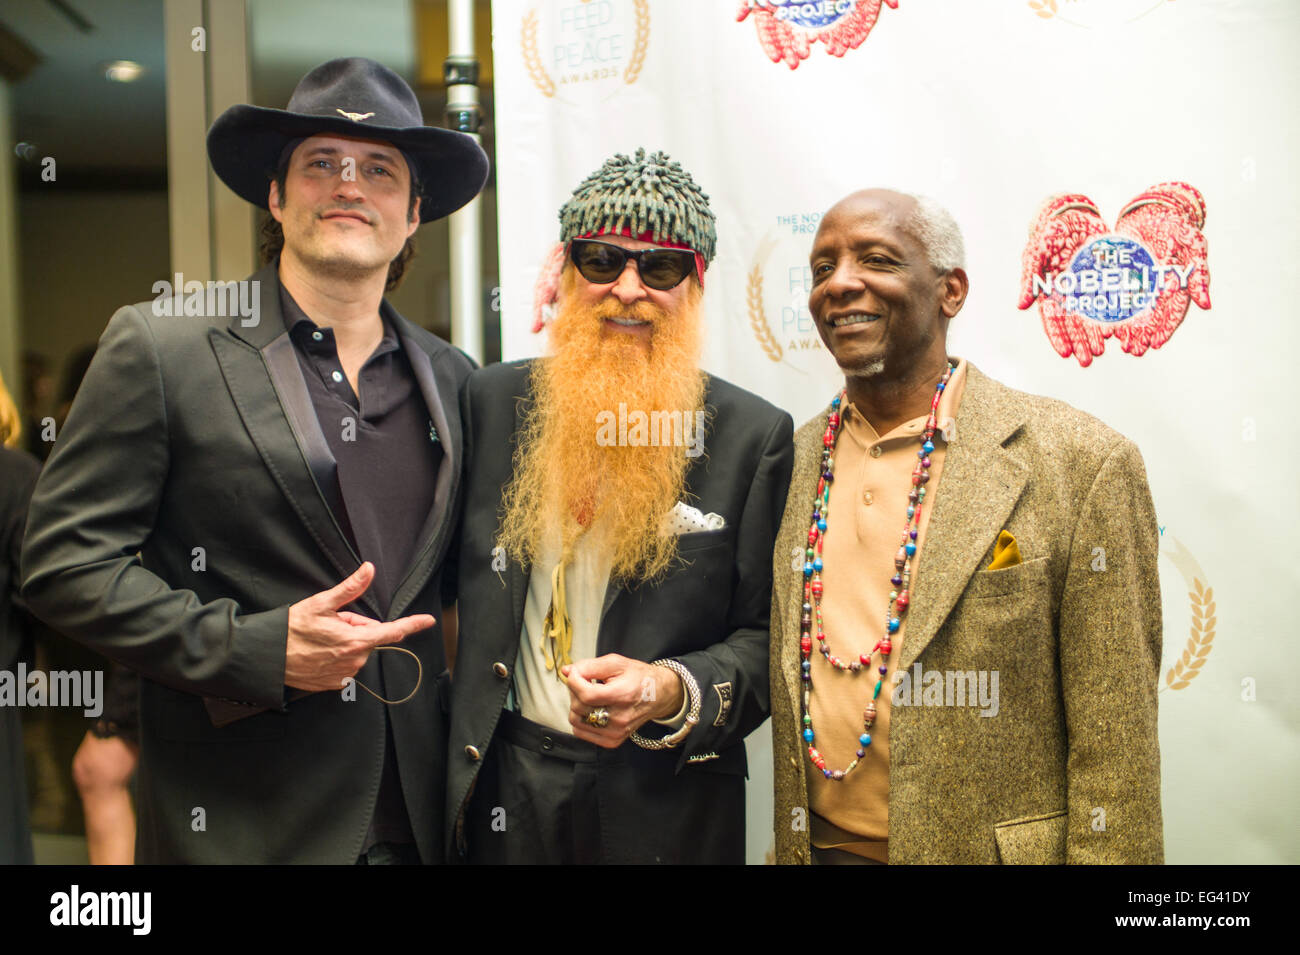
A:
[(387, 454)]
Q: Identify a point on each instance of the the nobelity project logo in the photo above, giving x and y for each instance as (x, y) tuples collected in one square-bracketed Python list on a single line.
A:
[(599, 45), (787, 29), (1135, 283)]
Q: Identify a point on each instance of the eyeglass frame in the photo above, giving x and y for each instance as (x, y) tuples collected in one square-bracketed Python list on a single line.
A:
[(635, 255)]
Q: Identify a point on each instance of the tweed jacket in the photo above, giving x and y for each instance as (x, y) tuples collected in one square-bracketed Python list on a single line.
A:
[(1069, 768)]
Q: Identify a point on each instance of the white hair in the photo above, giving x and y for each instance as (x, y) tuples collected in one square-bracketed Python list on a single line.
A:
[(936, 229)]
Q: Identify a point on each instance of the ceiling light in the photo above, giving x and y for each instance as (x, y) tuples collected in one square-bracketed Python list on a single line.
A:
[(122, 71)]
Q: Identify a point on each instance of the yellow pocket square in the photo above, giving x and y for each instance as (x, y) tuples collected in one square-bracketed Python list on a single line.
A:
[(1005, 552)]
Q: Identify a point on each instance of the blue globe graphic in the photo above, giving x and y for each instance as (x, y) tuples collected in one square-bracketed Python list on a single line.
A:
[(815, 15), (1114, 252)]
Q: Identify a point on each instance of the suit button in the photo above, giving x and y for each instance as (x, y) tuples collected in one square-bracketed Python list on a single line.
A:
[(472, 752), (548, 744), (501, 670)]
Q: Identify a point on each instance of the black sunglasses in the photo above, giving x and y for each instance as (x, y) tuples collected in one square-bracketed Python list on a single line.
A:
[(603, 262)]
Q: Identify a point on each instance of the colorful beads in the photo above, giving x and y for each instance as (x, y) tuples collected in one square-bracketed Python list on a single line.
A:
[(898, 599)]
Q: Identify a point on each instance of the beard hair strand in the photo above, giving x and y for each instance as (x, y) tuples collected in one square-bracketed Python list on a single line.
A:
[(565, 484)]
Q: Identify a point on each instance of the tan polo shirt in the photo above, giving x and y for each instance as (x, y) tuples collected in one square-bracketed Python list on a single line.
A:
[(868, 512)]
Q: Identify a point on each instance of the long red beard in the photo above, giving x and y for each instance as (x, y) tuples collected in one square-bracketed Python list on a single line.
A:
[(566, 483)]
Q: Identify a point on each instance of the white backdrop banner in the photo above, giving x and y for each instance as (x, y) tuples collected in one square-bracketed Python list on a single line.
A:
[(1122, 173)]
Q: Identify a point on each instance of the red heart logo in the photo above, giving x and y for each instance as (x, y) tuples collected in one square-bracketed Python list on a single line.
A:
[(1165, 220)]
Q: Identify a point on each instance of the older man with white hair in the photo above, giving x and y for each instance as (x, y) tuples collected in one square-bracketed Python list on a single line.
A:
[(998, 702)]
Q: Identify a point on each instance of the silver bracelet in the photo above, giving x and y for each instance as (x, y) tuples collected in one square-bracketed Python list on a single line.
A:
[(692, 713)]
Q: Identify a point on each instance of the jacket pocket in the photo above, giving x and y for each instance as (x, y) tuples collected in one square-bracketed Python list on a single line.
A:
[(1008, 580), (732, 761), (698, 540), (1032, 840)]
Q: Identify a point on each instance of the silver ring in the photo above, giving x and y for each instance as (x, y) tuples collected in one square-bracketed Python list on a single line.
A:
[(599, 717)]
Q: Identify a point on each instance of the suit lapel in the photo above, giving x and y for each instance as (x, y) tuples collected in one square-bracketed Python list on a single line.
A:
[(980, 484), (613, 590), (518, 578), (518, 575), (266, 384), (442, 403)]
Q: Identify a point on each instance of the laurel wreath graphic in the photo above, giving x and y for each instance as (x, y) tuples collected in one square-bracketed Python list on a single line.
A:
[(532, 59), (1044, 8), (1201, 640), (642, 41), (758, 315)]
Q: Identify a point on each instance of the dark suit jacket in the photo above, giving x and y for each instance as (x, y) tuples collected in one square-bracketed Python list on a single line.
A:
[(18, 471), (197, 432), (1069, 768), (710, 613)]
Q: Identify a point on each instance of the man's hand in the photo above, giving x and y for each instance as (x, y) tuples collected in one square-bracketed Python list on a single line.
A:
[(632, 691), (328, 645)]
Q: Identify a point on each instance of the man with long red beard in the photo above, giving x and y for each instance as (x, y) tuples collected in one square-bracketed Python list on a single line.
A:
[(615, 556)]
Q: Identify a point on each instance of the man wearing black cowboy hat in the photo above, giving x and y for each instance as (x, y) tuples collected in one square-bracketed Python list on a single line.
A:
[(243, 508)]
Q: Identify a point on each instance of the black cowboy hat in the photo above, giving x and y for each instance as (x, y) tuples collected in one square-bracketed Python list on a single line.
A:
[(350, 97)]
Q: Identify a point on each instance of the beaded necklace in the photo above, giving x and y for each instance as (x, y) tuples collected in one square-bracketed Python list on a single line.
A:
[(899, 596)]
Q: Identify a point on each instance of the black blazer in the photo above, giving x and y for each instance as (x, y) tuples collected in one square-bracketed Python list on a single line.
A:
[(197, 432), (710, 612), (18, 471)]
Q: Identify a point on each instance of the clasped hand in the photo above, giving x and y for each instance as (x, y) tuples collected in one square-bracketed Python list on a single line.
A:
[(632, 691)]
